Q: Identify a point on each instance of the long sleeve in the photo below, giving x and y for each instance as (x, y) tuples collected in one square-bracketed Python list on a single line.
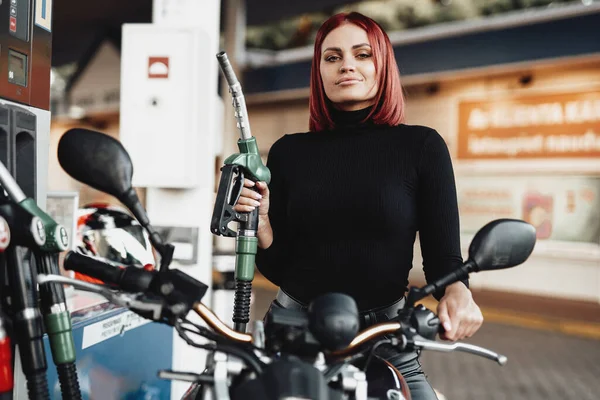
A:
[(270, 261), (439, 230)]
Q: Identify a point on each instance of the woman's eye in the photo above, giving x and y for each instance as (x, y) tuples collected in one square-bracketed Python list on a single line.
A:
[(331, 58), (364, 55)]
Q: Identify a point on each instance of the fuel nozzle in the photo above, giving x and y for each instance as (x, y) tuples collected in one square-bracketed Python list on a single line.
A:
[(245, 164)]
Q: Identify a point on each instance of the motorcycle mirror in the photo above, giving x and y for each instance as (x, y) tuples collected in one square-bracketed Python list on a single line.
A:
[(502, 243), (97, 160), (102, 162)]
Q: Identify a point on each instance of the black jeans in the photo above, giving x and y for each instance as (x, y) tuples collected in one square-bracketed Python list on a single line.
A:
[(410, 367)]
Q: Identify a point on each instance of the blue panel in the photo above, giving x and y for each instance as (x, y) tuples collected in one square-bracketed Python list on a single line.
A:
[(554, 39), (122, 367), (280, 77), (561, 38)]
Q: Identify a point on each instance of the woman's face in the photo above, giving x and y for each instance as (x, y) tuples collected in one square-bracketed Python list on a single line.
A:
[(347, 68)]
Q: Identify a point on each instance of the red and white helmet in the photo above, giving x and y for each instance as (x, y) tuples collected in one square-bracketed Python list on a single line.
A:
[(112, 235)]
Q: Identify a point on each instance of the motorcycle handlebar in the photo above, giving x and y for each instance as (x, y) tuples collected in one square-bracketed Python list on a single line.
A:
[(129, 279), (138, 280), (92, 266), (464, 347), (214, 322), (370, 333)]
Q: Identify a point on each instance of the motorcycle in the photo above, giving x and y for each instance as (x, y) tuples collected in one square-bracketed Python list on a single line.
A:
[(312, 354)]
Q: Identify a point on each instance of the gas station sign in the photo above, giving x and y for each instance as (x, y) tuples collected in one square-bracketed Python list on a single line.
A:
[(556, 125)]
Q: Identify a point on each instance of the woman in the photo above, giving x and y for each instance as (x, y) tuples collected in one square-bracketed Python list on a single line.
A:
[(347, 198)]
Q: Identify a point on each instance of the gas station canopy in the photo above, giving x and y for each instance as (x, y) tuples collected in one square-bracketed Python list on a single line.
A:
[(78, 25), (264, 11)]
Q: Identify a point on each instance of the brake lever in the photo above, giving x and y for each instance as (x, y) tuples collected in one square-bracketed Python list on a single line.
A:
[(185, 376), (419, 341), (151, 310)]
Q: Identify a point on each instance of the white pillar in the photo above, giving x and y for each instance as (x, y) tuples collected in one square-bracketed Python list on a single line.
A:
[(193, 206), (170, 124), (189, 202)]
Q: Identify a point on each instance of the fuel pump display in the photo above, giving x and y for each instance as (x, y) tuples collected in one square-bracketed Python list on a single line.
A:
[(25, 52), (17, 68)]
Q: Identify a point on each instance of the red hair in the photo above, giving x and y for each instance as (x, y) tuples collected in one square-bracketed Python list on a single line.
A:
[(389, 100)]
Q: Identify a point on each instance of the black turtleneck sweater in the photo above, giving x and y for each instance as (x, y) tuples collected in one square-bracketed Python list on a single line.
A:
[(346, 205)]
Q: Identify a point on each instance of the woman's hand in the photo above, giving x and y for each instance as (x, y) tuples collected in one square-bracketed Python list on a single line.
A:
[(249, 200), (458, 313)]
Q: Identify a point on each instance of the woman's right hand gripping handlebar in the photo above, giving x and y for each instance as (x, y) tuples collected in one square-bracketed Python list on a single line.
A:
[(256, 194)]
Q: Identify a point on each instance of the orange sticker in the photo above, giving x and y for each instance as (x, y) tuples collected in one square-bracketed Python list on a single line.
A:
[(158, 67)]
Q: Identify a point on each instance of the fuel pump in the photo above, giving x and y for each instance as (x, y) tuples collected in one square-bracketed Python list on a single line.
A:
[(25, 62)]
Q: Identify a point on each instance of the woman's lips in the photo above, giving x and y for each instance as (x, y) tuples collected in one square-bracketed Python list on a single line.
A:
[(348, 82)]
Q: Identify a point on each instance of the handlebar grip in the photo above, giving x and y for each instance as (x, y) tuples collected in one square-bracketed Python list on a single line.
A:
[(441, 330), (130, 279), (92, 267)]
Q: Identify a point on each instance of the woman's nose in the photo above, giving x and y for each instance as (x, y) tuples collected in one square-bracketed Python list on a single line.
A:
[(346, 67)]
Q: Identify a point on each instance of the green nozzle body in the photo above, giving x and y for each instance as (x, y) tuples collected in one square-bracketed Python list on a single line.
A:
[(250, 160), (246, 246), (245, 249), (57, 239), (58, 326)]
